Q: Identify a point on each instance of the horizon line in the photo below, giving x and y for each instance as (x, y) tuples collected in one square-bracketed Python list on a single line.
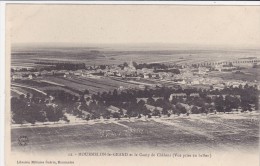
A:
[(80, 44)]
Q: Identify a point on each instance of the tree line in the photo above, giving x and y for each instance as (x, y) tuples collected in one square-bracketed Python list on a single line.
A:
[(31, 109)]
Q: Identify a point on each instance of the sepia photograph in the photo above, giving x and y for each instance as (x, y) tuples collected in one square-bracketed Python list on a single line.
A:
[(147, 84)]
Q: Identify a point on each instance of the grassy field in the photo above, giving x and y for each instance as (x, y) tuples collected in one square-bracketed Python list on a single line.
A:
[(198, 132), (250, 74)]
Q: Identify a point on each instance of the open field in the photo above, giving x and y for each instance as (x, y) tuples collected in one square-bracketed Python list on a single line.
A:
[(197, 132), (93, 85), (19, 90), (58, 83), (250, 74), (16, 93), (76, 85), (27, 89), (119, 54)]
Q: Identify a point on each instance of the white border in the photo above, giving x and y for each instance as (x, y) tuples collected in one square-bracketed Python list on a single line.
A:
[(2, 81), (2, 39), (236, 3)]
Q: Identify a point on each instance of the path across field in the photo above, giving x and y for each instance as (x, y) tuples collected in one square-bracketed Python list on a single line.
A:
[(197, 132)]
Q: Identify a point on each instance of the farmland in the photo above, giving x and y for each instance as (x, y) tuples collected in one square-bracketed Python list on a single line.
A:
[(205, 121), (75, 85), (198, 132), (251, 74), (110, 54), (24, 89)]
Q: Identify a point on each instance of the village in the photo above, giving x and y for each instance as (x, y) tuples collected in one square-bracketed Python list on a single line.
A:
[(134, 90), (194, 74)]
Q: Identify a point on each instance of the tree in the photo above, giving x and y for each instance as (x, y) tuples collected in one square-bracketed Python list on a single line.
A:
[(116, 115), (150, 101), (28, 95), (164, 111), (219, 104), (195, 110), (35, 112), (156, 112), (87, 117), (82, 99), (53, 114), (180, 109), (65, 118), (125, 64), (183, 110), (115, 95), (41, 117), (30, 115), (159, 103), (256, 105), (83, 107), (203, 110), (92, 106), (88, 98), (141, 103), (50, 115), (135, 64), (18, 110), (146, 112), (22, 96), (231, 103), (211, 87), (102, 67), (121, 112), (86, 92)]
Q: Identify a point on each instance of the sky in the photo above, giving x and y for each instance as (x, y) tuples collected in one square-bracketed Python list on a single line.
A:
[(135, 24)]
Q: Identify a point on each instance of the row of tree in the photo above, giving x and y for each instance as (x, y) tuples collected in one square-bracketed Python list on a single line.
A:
[(31, 109), (25, 110)]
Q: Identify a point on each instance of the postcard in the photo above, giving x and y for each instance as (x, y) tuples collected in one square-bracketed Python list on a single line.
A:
[(132, 84)]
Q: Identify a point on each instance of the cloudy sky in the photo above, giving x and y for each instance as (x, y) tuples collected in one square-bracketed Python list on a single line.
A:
[(123, 24)]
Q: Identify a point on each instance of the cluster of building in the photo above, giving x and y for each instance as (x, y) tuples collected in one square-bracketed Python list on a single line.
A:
[(191, 75)]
